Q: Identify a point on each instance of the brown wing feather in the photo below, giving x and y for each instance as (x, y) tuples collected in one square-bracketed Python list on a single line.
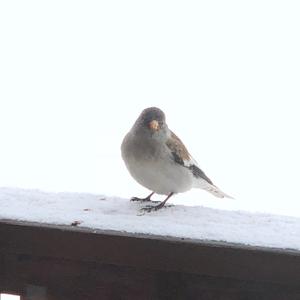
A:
[(176, 146), (181, 154)]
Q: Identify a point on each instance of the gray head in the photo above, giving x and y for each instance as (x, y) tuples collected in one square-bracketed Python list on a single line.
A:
[(151, 119)]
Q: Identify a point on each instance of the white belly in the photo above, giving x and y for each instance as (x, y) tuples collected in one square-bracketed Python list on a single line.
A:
[(162, 176)]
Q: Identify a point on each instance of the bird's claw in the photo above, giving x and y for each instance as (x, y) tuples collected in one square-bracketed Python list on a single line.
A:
[(150, 208), (139, 199), (136, 199)]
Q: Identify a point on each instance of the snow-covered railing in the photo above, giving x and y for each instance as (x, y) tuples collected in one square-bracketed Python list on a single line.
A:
[(82, 246), (69, 262)]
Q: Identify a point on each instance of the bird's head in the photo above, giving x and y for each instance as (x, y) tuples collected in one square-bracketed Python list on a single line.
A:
[(152, 119)]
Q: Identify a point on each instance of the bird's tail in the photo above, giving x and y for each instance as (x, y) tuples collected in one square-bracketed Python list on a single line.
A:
[(218, 193), (203, 184)]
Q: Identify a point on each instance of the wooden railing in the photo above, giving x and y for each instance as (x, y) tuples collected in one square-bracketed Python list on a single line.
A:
[(40, 261)]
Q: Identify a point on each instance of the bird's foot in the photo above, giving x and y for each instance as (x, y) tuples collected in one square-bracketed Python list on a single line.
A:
[(147, 199), (136, 199), (150, 208), (140, 199)]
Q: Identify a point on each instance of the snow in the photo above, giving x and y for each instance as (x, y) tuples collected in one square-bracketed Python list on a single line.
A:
[(9, 297), (113, 213)]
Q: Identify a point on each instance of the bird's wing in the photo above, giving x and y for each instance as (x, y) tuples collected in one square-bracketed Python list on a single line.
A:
[(181, 156)]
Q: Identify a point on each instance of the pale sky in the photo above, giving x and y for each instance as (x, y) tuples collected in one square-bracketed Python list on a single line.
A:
[(74, 76)]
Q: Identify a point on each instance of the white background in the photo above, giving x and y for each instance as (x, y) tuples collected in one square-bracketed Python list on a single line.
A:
[(75, 75)]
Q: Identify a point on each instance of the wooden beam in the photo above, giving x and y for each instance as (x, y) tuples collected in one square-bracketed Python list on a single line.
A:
[(65, 259)]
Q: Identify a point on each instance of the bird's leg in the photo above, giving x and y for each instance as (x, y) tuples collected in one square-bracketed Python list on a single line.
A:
[(147, 199), (159, 206)]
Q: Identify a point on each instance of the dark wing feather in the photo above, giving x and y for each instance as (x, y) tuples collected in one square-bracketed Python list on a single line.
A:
[(198, 173), (181, 156)]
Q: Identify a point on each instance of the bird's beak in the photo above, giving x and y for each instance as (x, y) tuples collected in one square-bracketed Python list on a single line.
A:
[(154, 125)]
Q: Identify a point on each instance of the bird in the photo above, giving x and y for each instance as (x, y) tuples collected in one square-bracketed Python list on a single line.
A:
[(158, 160)]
